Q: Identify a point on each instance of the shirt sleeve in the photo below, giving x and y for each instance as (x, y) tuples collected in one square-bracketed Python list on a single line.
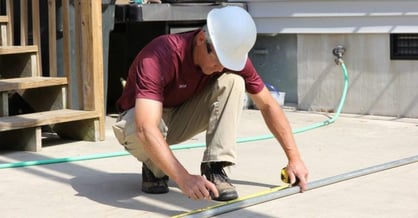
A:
[(153, 70), (253, 82)]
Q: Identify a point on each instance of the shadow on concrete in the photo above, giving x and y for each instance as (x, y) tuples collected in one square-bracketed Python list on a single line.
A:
[(120, 190)]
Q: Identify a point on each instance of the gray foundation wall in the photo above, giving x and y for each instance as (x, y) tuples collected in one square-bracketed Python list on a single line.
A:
[(303, 66), (377, 85), (306, 31), (275, 58)]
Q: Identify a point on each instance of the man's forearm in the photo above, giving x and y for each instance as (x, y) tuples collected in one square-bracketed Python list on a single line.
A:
[(159, 152), (281, 129)]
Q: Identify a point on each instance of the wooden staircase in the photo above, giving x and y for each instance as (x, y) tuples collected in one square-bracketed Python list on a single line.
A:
[(47, 105)]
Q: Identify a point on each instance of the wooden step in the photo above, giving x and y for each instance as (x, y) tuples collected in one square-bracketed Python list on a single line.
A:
[(30, 82), (5, 50), (19, 61), (32, 91), (4, 19), (44, 118), (24, 131)]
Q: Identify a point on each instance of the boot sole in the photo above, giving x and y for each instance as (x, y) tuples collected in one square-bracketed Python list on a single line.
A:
[(226, 196)]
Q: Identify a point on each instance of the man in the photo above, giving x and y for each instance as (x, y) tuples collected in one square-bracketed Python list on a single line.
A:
[(182, 84)]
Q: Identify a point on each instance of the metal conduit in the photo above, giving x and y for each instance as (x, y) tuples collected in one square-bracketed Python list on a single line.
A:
[(279, 192)]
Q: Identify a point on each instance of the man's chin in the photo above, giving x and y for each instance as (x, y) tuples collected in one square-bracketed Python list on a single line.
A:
[(207, 72)]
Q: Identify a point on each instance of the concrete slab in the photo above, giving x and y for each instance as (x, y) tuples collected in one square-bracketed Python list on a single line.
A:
[(110, 187)]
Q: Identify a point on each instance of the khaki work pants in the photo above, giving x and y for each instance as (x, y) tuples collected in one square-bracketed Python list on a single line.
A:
[(217, 110)]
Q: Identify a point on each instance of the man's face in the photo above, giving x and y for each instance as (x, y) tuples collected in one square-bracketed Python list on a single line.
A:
[(211, 62)]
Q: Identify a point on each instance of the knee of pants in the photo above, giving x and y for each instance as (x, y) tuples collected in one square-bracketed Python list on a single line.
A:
[(232, 81), (135, 147)]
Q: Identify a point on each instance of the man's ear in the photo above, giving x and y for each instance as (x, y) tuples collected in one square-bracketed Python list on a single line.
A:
[(200, 38)]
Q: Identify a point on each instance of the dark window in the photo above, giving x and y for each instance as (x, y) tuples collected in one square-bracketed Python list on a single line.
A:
[(404, 46)]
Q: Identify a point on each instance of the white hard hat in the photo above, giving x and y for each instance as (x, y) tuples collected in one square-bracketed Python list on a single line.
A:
[(233, 33)]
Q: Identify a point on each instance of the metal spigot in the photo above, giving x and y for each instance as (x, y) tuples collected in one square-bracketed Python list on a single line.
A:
[(339, 53)]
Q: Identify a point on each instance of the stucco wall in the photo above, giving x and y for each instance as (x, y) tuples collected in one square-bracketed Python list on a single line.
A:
[(378, 85)]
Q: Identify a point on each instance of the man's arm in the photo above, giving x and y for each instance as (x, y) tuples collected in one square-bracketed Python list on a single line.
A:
[(279, 125), (148, 114)]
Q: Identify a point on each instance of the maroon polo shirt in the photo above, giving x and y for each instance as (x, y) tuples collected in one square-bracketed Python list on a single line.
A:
[(164, 71)]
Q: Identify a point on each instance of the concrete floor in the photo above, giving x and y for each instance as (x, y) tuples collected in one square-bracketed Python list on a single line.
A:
[(111, 187)]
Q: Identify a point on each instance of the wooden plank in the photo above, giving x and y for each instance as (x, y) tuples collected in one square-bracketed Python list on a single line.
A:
[(52, 38), (3, 35), (122, 2), (90, 59), (67, 47), (83, 129), (97, 64), (34, 65), (9, 13), (30, 82), (4, 19), (36, 32), (78, 51), (4, 104), (18, 49), (44, 118), (23, 22), (29, 139), (64, 97), (17, 65), (38, 101)]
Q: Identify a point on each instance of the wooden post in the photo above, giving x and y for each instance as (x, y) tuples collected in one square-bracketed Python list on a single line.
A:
[(92, 59), (52, 39), (67, 48), (9, 12), (78, 41), (23, 22), (4, 104), (36, 30)]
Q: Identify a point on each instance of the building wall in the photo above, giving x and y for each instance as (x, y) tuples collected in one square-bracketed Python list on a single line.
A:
[(334, 16), (378, 85), (275, 58)]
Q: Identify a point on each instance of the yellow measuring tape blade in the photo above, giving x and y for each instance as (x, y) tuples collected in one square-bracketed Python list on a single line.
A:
[(275, 189)]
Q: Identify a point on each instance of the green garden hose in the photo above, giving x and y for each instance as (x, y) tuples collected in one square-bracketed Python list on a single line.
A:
[(193, 145)]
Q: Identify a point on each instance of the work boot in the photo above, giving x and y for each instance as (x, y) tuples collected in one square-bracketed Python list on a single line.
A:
[(215, 173), (152, 184)]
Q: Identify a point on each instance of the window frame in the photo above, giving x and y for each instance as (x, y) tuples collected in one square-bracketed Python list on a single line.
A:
[(399, 45)]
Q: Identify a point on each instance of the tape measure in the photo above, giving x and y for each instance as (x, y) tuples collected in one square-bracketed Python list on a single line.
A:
[(285, 177)]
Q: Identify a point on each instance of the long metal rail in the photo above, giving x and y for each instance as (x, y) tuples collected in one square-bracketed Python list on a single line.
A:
[(280, 192)]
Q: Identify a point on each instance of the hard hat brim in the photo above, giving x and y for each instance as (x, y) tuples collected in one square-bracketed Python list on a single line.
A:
[(231, 61)]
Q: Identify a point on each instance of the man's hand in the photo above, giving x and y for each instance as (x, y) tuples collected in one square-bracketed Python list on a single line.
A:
[(278, 124), (298, 169), (197, 187)]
